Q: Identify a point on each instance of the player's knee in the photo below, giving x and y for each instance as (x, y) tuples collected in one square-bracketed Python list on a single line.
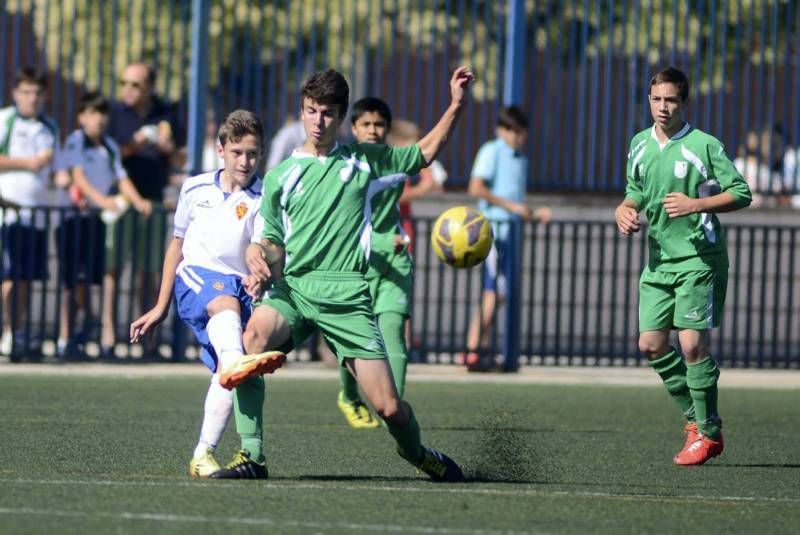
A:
[(652, 347), (693, 351), (388, 408), (254, 342)]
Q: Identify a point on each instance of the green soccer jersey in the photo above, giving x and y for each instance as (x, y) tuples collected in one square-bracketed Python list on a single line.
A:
[(319, 209), (695, 164), (386, 219)]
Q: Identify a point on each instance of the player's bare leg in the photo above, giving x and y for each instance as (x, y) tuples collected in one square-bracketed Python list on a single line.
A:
[(235, 366), (376, 381)]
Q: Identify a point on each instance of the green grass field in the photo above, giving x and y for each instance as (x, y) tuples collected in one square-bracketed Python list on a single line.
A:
[(89, 454)]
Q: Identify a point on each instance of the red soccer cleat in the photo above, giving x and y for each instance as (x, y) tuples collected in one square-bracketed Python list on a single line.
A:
[(699, 451), (691, 434)]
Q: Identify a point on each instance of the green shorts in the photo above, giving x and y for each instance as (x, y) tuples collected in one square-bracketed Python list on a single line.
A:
[(391, 282), (687, 300), (338, 304), (144, 238)]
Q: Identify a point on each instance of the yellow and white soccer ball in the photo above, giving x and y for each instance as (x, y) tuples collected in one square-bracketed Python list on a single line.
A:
[(462, 237)]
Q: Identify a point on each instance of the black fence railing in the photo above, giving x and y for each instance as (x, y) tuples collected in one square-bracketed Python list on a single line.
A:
[(576, 296)]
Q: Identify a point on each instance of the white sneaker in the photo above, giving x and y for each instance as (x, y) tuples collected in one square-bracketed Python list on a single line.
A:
[(5, 343)]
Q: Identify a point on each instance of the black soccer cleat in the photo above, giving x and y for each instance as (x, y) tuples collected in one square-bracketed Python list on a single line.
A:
[(437, 465), (242, 467)]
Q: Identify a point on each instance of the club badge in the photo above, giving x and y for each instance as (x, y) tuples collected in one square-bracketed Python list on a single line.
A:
[(681, 169)]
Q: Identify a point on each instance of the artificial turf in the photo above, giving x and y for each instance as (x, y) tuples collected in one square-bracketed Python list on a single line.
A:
[(94, 454)]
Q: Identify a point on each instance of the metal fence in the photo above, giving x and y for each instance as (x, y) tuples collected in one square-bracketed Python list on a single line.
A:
[(579, 67), (577, 297)]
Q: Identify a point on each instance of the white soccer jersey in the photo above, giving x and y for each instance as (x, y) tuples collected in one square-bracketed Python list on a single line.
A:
[(22, 137), (216, 227)]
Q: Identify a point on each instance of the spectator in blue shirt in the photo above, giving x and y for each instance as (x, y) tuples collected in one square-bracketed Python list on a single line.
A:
[(92, 163), (498, 180), (150, 137)]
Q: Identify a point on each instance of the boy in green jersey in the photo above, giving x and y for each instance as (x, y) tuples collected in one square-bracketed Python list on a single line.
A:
[(682, 177), (390, 273), (315, 247)]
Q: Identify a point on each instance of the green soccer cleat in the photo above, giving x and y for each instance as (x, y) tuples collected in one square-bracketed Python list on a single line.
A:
[(242, 467), (203, 466), (356, 413), (437, 465)]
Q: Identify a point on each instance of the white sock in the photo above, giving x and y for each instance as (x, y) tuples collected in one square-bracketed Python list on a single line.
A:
[(225, 334), (217, 410)]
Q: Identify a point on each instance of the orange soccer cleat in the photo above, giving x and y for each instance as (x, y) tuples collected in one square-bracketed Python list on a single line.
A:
[(249, 366), (699, 451)]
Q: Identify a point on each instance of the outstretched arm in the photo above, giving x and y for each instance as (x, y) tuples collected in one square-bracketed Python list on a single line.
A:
[(158, 313), (432, 143)]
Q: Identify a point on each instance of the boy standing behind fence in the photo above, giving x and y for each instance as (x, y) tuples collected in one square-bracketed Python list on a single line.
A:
[(499, 179), (682, 177), (92, 161), (27, 144)]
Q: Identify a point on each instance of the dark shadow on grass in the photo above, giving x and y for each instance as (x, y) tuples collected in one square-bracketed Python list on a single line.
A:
[(524, 429), (343, 478), (753, 465), (386, 479)]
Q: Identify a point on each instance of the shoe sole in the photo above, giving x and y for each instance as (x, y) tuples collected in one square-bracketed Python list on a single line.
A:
[(704, 461), (261, 364), (197, 475)]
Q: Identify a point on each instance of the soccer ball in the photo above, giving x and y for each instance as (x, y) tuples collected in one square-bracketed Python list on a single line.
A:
[(462, 237)]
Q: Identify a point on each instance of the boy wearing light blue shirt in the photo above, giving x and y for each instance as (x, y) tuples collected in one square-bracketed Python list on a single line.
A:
[(499, 179)]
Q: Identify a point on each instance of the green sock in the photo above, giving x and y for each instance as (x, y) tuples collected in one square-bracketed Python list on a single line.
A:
[(349, 385), (672, 370), (408, 438), (702, 380), (393, 330), (248, 407)]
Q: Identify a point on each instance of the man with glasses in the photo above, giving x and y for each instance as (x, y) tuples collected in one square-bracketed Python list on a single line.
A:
[(149, 135)]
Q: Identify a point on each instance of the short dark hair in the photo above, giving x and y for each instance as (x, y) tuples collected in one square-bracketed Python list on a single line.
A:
[(93, 100), (671, 75), (240, 123), (30, 75), (328, 87), (512, 118), (371, 104)]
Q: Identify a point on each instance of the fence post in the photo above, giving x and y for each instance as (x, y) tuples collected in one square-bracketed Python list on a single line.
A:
[(511, 270), (515, 52), (198, 87)]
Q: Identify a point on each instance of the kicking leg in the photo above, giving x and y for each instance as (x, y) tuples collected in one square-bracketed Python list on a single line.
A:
[(375, 378)]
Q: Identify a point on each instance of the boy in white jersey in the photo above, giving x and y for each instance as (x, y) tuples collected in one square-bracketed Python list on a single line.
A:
[(216, 217), (27, 144), (682, 178), (315, 247)]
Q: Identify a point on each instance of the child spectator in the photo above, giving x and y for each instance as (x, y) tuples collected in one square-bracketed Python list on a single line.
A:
[(27, 144), (93, 165)]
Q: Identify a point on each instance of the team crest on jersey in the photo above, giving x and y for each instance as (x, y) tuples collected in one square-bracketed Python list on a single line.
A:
[(218, 285), (681, 169), (241, 210)]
